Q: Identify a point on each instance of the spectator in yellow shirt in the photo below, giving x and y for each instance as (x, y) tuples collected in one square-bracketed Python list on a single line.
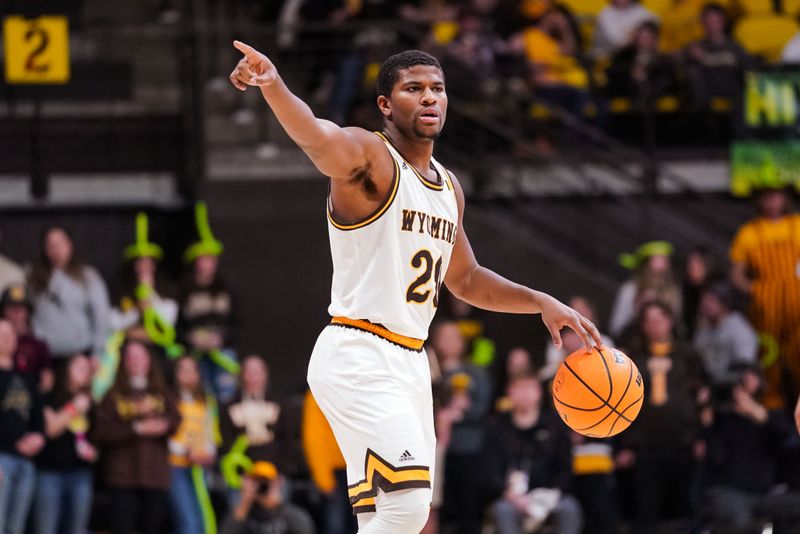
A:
[(551, 48), (191, 445), (328, 468), (766, 265)]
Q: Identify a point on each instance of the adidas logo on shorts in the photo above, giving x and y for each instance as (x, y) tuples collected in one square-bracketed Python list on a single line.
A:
[(406, 456)]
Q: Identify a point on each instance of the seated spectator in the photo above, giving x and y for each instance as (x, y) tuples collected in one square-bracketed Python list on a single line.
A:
[(464, 395), (263, 508), (640, 71), (252, 425), (70, 300), (570, 342), (715, 64), (143, 287), (743, 445), (207, 320), (661, 445), (192, 447), (725, 340), (328, 469), (21, 439), (63, 501), (529, 464), (133, 423), (616, 24), (698, 271), (652, 280), (551, 48), (32, 359), (11, 274)]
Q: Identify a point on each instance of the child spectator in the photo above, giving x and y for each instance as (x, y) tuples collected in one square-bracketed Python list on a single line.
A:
[(32, 359), (70, 300), (132, 426), (21, 437), (191, 448), (529, 464), (64, 482)]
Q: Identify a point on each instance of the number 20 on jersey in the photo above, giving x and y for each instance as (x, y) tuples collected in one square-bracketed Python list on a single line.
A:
[(419, 291)]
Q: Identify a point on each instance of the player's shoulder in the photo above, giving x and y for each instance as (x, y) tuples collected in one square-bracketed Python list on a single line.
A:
[(364, 136)]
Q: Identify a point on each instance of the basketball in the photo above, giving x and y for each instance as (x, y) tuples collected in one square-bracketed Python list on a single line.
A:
[(598, 393)]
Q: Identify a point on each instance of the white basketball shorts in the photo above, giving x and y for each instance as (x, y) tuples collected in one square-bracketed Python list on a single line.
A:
[(374, 387)]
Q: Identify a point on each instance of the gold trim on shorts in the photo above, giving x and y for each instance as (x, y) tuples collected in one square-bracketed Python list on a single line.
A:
[(411, 343), (380, 474)]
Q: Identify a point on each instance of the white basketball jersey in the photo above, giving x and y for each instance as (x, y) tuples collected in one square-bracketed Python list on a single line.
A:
[(387, 269)]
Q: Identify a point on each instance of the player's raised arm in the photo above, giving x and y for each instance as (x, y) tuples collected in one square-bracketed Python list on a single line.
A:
[(485, 289), (337, 152)]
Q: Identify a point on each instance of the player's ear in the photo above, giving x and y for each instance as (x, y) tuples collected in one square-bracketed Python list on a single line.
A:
[(385, 105)]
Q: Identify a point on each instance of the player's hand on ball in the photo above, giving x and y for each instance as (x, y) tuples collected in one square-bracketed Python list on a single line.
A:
[(557, 315), (253, 69)]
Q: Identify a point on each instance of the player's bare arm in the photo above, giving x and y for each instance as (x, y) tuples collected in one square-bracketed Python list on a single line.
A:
[(485, 289), (356, 160)]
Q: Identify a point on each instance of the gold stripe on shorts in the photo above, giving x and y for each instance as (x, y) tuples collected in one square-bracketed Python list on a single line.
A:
[(380, 331), (378, 473)]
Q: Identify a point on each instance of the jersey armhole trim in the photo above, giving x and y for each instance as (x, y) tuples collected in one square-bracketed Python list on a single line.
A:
[(375, 215)]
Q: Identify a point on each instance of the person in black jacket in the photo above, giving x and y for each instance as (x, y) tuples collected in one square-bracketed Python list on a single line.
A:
[(529, 461), (743, 447), (661, 446), (21, 437), (640, 71)]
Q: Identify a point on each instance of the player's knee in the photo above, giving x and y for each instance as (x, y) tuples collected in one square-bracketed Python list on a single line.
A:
[(407, 510)]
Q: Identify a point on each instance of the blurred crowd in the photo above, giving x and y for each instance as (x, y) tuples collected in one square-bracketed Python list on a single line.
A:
[(590, 58), (140, 416), (137, 413)]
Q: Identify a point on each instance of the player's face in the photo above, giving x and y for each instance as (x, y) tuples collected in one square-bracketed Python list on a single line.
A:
[(418, 104)]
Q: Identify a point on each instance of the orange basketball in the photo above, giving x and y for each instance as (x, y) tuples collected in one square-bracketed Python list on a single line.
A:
[(598, 393)]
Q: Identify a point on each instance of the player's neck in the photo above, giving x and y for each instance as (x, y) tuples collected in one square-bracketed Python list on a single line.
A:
[(418, 152)]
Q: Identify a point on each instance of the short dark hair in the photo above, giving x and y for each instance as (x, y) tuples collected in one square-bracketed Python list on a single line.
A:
[(713, 7), (390, 70)]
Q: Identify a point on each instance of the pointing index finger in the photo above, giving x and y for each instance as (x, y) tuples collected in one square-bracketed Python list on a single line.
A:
[(245, 49)]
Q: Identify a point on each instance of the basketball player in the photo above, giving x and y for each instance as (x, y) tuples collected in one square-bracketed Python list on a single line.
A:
[(396, 233)]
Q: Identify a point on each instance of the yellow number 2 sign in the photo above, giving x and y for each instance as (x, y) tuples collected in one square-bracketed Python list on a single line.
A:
[(36, 50)]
